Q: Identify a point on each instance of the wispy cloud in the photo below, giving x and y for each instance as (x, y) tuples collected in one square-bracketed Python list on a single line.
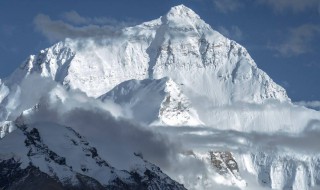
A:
[(291, 5), (299, 40), (310, 104), (226, 6), (119, 138), (238, 142), (233, 32), (75, 18), (116, 138), (73, 25)]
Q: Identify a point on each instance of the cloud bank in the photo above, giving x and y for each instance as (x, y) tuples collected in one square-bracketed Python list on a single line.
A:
[(72, 25), (117, 138)]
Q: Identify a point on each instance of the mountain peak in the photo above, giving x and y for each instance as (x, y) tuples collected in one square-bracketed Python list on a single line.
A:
[(181, 11)]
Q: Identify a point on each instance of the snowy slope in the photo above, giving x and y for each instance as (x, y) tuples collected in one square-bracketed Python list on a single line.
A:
[(179, 45), (67, 157), (256, 170), (175, 70), (211, 70), (283, 170), (154, 102)]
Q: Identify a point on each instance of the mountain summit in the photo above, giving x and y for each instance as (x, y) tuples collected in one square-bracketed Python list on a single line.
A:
[(178, 45), (82, 113), (181, 15), (182, 11), (210, 69)]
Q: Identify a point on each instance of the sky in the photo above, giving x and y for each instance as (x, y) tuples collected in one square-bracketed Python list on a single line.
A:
[(282, 36)]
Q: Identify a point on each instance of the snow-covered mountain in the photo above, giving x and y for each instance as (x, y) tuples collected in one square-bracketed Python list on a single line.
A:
[(154, 102), (211, 70), (172, 71), (178, 45), (283, 171), (64, 159)]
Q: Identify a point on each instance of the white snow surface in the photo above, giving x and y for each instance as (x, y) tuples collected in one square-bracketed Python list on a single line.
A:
[(154, 102), (78, 154), (282, 170), (179, 45), (212, 71), (172, 71)]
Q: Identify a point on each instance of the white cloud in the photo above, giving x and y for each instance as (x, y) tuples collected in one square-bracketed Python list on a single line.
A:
[(304, 143), (119, 138), (298, 41), (75, 18), (233, 32), (310, 104), (75, 26)]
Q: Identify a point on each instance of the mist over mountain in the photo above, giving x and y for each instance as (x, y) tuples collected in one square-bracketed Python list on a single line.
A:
[(167, 104)]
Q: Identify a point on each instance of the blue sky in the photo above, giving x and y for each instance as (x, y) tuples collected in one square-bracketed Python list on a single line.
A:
[(283, 36)]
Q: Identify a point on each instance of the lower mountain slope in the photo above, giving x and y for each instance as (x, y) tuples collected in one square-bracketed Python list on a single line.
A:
[(50, 156)]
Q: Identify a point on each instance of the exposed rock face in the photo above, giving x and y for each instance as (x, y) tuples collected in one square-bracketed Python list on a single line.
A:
[(179, 45), (36, 162), (12, 177), (224, 162), (171, 71), (226, 165), (154, 102)]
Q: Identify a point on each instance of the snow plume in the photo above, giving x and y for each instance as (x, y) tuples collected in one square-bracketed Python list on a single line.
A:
[(75, 26)]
